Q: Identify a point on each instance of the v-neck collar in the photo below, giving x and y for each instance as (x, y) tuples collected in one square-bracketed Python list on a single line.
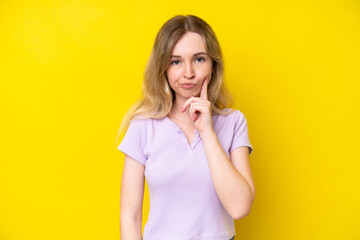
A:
[(194, 142)]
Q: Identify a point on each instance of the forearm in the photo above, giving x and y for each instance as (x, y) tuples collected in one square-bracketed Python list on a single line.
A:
[(231, 187), (130, 228)]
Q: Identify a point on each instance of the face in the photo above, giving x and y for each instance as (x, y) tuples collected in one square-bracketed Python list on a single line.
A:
[(189, 66)]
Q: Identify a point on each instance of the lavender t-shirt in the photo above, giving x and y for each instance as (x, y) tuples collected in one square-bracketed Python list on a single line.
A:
[(183, 201)]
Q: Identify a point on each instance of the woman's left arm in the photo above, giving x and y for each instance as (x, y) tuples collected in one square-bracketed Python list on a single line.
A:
[(232, 178)]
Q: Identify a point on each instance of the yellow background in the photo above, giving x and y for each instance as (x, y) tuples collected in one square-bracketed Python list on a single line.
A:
[(69, 70)]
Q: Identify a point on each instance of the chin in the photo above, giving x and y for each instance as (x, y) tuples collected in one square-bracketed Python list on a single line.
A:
[(192, 95), (189, 94)]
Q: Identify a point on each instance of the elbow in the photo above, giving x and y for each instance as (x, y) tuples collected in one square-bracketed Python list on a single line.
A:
[(242, 211)]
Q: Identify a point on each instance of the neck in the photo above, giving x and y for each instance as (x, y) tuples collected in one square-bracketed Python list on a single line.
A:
[(177, 113)]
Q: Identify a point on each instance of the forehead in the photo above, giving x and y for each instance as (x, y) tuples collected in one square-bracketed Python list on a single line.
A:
[(189, 44)]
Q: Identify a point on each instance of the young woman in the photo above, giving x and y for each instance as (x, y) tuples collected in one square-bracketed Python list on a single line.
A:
[(192, 149)]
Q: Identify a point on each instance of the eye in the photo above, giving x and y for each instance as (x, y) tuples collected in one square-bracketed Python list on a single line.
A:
[(200, 59), (175, 62)]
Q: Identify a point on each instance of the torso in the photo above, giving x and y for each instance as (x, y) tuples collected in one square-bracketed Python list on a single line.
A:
[(178, 175)]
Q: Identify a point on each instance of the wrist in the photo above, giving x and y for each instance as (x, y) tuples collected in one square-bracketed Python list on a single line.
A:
[(208, 134)]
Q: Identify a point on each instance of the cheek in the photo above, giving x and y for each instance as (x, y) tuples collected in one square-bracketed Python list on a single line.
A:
[(208, 68), (171, 84), (173, 75), (204, 70), (170, 79)]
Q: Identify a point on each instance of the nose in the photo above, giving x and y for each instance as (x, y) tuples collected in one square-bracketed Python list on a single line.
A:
[(189, 71)]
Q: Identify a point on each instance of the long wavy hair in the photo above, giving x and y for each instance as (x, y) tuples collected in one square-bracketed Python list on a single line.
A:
[(157, 95)]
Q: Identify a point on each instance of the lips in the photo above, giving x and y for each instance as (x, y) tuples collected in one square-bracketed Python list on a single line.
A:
[(187, 85)]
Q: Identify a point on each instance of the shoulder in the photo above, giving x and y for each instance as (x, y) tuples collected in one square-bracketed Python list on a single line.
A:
[(229, 114), (138, 124), (145, 125), (140, 121), (140, 130)]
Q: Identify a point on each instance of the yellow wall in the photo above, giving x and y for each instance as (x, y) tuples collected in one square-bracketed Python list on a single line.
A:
[(69, 70)]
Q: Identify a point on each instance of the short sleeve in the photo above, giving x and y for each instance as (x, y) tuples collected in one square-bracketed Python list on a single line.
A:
[(134, 141), (241, 134)]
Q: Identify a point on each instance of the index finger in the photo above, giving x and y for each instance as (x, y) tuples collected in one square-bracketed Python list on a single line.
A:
[(203, 93)]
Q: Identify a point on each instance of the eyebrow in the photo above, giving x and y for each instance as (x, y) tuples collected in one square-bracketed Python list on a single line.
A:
[(196, 54)]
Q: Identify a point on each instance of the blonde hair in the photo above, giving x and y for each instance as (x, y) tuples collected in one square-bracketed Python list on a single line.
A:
[(157, 95)]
